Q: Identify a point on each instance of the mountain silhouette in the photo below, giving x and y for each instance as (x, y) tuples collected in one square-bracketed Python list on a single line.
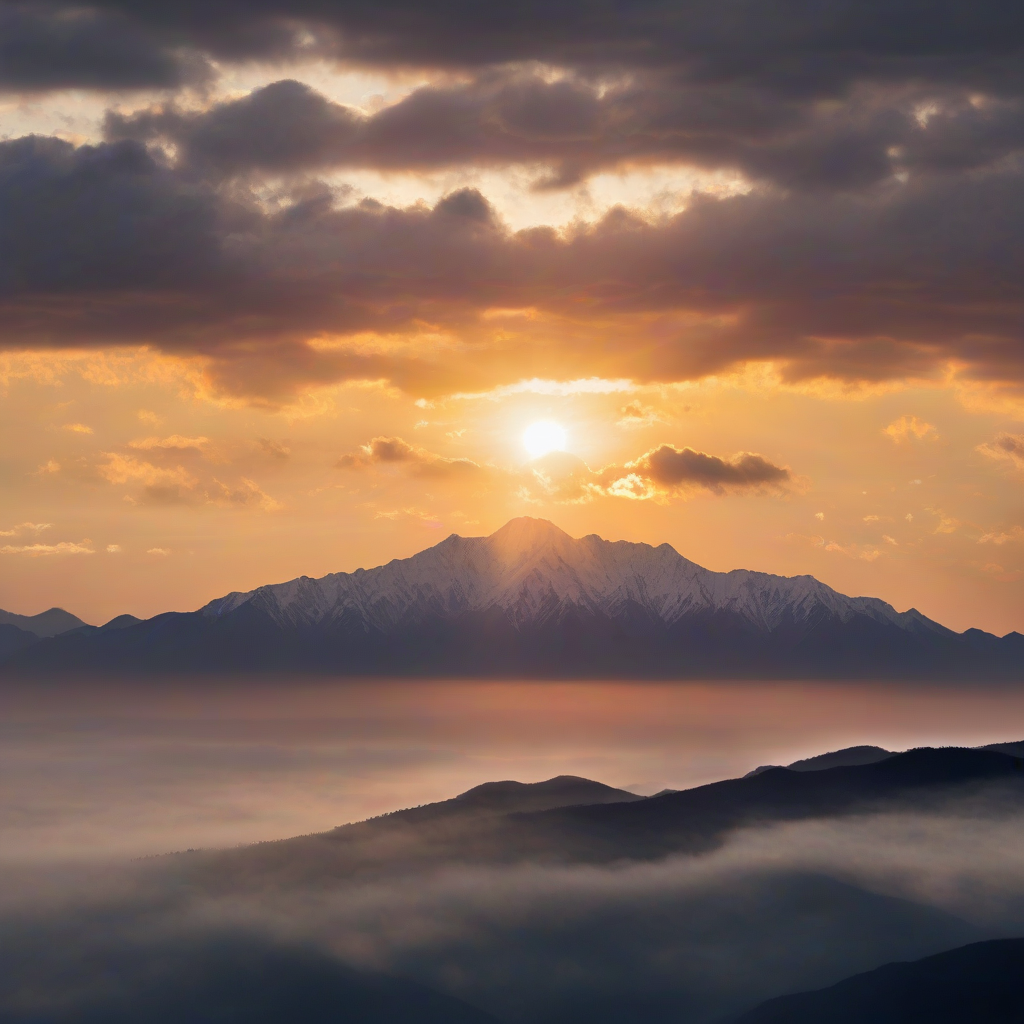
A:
[(52, 622), (603, 825), (835, 759), (529, 600), (982, 983)]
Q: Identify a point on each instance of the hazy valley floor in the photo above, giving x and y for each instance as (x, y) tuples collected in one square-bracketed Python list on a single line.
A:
[(130, 770), (473, 911)]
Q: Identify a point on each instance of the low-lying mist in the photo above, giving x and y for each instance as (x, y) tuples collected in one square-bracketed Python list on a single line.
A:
[(92, 772), (475, 918), (686, 938)]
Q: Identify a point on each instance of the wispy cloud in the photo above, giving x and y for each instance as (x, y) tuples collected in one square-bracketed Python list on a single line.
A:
[(1007, 447), (21, 528), (907, 427), (42, 550), (396, 451)]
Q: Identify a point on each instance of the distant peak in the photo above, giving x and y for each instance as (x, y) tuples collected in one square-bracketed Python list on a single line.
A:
[(530, 524), (525, 530)]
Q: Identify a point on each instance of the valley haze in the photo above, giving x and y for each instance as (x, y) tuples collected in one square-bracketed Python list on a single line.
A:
[(531, 601)]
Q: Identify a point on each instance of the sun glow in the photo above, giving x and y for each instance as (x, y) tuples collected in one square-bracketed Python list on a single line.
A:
[(542, 437)]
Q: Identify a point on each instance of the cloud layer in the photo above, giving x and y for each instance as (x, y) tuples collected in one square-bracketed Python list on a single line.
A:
[(107, 244), (873, 233)]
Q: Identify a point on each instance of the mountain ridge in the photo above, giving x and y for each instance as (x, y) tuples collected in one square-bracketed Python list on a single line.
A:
[(596, 824), (530, 600), (52, 622), (657, 578), (979, 982)]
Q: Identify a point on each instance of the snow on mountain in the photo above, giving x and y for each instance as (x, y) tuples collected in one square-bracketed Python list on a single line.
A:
[(534, 572)]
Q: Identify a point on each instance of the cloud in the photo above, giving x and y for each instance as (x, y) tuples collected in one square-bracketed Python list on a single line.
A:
[(21, 528), (1000, 537), (280, 299), (775, 908), (672, 467), (78, 428), (122, 469), (46, 46), (746, 46), (659, 474), (575, 125), (284, 126), (162, 552), (946, 523), (176, 485), (1009, 447), (423, 516), (192, 270), (113, 549), (636, 414), (245, 492), (909, 426), (173, 443), (43, 550), (275, 449), (561, 477), (861, 552), (868, 232), (392, 450)]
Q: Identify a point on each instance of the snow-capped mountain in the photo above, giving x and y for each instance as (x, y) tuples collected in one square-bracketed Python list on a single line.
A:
[(535, 573), (530, 600)]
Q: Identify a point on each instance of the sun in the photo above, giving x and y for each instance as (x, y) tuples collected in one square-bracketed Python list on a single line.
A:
[(542, 437)]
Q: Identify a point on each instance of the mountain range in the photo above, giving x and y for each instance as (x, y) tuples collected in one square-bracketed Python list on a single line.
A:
[(529, 600), (571, 820)]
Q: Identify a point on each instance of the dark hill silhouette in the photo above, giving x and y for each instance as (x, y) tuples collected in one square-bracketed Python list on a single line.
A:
[(561, 791), (836, 759), (50, 623), (481, 830), (844, 758), (1016, 749), (13, 639), (697, 819), (982, 983)]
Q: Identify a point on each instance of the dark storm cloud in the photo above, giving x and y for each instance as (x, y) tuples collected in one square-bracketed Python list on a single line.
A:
[(800, 46), (110, 244), (672, 467), (281, 127), (576, 127), (49, 46), (105, 218)]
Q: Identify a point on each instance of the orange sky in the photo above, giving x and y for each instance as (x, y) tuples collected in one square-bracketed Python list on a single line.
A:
[(147, 492), (241, 362)]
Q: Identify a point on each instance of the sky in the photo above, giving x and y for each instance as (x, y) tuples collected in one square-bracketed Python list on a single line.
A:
[(284, 285)]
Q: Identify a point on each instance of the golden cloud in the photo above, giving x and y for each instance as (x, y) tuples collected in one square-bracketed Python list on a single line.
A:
[(43, 550)]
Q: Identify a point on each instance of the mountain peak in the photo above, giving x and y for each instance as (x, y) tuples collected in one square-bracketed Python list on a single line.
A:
[(52, 622), (528, 532), (530, 599)]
